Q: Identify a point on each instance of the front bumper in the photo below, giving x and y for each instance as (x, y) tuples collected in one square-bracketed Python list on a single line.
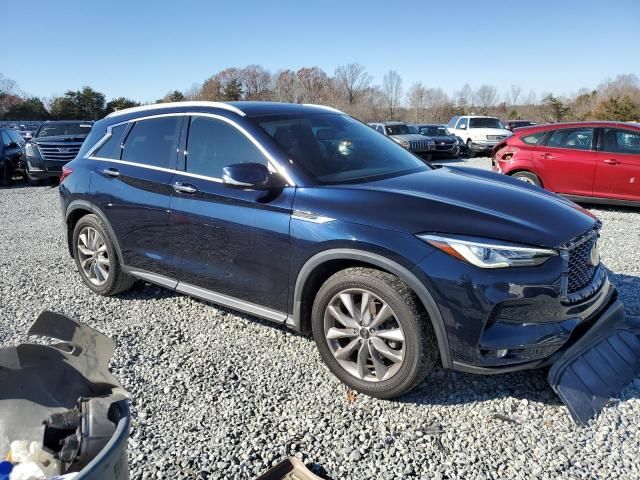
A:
[(39, 169), (482, 145)]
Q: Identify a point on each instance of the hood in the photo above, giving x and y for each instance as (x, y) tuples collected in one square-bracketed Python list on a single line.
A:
[(410, 137), (460, 201), (78, 138)]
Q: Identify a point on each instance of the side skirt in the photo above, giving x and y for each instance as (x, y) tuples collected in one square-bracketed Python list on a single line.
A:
[(209, 295), (602, 200)]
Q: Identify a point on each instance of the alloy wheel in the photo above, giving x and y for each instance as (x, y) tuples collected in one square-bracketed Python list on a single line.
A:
[(364, 335), (93, 256), (525, 179)]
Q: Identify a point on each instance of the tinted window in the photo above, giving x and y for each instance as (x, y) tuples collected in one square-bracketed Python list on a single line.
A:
[(485, 122), (213, 144), (380, 128), (153, 142), (6, 140), (112, 147), (60, 129), (621, 141), (432, 131), (335, 148), (578, 138), (533, 139), (16, 137), (398, 130)]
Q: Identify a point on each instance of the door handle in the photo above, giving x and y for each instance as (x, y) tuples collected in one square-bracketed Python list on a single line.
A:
[(547, 156), (112, 172), (611, 161), (184, 188)]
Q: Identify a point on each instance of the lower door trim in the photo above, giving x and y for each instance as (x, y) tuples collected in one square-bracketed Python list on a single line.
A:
[(209, 295)]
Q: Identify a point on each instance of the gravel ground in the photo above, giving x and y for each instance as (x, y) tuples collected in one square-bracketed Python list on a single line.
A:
[(222, 395)]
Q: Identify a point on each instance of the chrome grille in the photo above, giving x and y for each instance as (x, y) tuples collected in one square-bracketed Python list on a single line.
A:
[(419, 145), (444, 145), (496, 137), (580, 267), (59, 151)]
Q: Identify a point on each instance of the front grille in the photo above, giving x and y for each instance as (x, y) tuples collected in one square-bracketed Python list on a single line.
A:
[(419, 145), (59, 151), (444, 146), (496, 137), (581, 269)]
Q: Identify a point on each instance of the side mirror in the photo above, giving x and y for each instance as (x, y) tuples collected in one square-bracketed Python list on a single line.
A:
[(249, 176), (462, 127)]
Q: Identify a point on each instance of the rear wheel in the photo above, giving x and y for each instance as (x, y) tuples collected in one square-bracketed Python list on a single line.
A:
[(527, 177), (372, 333), (96, 258)]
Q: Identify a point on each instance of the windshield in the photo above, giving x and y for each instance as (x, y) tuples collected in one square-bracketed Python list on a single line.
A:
[(335, 148), (398, 129), (434, 131), (485, 122), (60, 129)]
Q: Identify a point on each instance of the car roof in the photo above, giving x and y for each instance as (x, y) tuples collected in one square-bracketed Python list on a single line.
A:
[(47, 122), (241, 108), (595, 124)]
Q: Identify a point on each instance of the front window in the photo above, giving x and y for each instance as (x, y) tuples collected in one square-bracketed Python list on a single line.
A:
[(485, 122), (398, 129), (333, 148), (62, 129), (621, 141)]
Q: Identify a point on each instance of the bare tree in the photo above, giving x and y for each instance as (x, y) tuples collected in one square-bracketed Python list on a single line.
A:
[(211, 89), (9, 94), (514, 94), (312, 82), (392, 89), (256, 81), (193, 92), (415, 100), (285, 87), (464, 98), (352, 80), (436, 102), (486, 97)]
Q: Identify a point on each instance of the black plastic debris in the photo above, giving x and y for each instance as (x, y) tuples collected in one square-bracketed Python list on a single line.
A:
[(598, 366), (63, 396)]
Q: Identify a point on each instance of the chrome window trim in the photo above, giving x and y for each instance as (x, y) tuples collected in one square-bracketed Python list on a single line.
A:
[(144, 108), (271, 162)]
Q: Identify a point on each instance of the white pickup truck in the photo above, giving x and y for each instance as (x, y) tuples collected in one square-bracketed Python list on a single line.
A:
[(480, 134)]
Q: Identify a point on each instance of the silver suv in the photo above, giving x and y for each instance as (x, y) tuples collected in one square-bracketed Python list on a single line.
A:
[(414, 142)]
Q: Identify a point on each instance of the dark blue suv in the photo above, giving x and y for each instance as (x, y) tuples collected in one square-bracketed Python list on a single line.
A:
[(305, 216)]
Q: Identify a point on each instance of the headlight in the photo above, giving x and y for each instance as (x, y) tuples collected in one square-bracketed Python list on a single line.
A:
[(490, 254), (404, 143), (31, 150)]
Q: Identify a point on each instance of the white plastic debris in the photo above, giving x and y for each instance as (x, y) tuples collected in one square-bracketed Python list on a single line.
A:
[(32, 462)]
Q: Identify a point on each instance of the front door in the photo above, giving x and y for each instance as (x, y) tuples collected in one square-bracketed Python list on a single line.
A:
[(229, 241), (618, 171)]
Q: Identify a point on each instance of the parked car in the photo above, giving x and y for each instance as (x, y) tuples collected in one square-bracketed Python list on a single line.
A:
[(480, 134), (447, 145), (26, 134), (401, 133), (54, 144), (587, 161), (513, 124), (305, 216), (12, 158)]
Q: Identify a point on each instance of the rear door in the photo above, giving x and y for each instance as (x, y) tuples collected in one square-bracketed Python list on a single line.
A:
[(229, 241), (566, 160), (131, 185), (618, 170)]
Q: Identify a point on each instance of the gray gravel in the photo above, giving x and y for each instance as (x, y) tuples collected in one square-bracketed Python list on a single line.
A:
[(222, 395)]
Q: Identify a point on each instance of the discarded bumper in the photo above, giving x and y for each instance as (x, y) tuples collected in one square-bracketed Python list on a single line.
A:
[(598, 365)]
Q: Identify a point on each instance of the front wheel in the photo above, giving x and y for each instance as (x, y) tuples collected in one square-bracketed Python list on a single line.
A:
[(527, 177), (96, 258), (372, 332), (470, 152)]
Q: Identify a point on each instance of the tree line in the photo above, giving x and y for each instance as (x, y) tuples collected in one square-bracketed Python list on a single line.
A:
[(353, 90)]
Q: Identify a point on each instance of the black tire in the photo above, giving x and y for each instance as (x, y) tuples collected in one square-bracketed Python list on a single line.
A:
[(5, 175), (470, 152), (117, 281), (421, 352), (527, 177), (34, 182)]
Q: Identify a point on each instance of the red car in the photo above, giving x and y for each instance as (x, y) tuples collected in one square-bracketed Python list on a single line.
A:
[(596, 162)]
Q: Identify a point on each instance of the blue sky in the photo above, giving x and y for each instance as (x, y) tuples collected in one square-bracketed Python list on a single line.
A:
[(142, 49)]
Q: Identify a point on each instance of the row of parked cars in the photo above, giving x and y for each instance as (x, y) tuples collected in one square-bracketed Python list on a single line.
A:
[(40, 156)]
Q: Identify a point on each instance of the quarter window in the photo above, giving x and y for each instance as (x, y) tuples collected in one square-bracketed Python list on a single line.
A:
[(153, 142), (214, 144), (533, 139), (578, 139), (113, 146), (621, 141)]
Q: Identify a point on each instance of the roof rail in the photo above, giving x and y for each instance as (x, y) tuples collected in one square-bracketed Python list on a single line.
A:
[(144, 108), (330, 109)]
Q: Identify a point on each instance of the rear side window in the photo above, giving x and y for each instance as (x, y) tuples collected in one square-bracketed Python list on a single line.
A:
[(577, 139), (213, 144), (153, 142), (113, 146), (621, 141), (533, 139), (6, 140)]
